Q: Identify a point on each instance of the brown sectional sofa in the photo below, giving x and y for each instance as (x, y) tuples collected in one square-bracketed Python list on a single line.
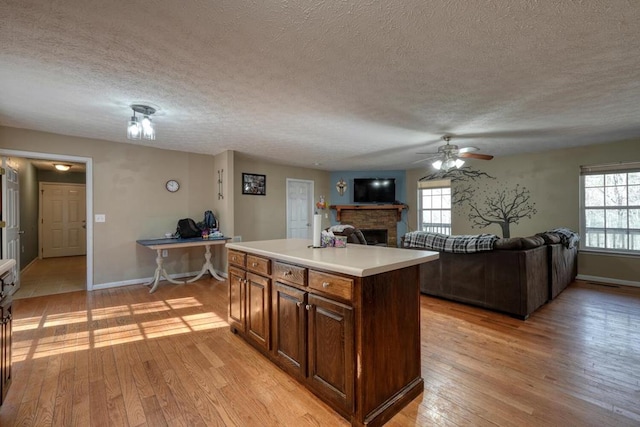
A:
[(517, 277)]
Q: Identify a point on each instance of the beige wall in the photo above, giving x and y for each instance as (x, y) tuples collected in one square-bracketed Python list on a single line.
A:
[(128, 187), (552, 177), (264, 217)]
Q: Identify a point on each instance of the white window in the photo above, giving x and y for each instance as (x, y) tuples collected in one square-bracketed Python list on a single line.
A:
[(434, 206), (610, 205)]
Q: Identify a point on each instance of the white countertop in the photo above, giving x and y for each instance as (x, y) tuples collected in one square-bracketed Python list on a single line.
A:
[(355, 260), (6, 265)]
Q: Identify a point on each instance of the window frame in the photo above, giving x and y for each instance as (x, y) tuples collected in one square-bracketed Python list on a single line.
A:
[(435, 185), (604, 170)]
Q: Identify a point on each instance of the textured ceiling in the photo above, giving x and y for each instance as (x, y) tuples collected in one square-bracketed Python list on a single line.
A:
[(337, 85)]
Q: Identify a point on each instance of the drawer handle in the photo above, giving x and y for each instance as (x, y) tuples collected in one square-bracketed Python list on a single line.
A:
[(288, 273), (325, 284), (254, 264)]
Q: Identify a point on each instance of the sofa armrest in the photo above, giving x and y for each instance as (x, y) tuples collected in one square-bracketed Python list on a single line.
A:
[(563, 267)]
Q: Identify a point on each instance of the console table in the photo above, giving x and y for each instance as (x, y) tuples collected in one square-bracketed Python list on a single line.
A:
[(160, 244)]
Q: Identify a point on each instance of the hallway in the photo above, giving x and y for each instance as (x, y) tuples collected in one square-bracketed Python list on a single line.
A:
[(50, 276)]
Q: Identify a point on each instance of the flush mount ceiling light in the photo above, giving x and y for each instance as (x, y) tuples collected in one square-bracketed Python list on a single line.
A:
[(141, 129), (61, 167)]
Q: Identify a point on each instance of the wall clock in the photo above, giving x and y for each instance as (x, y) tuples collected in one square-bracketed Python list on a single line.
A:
[(172, 185)]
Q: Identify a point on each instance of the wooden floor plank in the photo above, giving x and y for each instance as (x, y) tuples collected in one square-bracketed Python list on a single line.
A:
[(126, 357)]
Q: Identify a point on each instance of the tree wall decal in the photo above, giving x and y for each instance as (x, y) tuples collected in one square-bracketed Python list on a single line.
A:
[(504, 207), (461, 181)]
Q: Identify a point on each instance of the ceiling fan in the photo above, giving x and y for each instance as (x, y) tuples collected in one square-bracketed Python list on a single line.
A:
[(450, 156)]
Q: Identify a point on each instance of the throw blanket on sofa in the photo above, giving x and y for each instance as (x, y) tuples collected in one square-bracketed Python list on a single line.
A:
[(462, 244), (568, 237)]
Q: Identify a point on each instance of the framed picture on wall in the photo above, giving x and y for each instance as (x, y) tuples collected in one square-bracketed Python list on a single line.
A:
[(254, 184)]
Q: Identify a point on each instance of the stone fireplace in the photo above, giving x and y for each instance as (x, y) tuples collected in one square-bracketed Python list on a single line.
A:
[(372, 217)]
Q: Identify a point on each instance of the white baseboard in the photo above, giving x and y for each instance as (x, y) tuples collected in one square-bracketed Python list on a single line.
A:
[(147, 280), (607, 280)]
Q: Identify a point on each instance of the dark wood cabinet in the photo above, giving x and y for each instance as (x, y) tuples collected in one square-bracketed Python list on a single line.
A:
[(237, 290), (250, 297), (257, 309), (330, 356), (353, 341), (6, 321), (290, 329), (313, 341)]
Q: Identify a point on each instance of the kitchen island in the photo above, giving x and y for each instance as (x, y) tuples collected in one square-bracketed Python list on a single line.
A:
[(345, 322)]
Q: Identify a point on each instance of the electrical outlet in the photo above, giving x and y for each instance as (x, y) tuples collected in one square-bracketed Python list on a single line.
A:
[(165, 253), (237, 238), (326, 215), (101, 218)]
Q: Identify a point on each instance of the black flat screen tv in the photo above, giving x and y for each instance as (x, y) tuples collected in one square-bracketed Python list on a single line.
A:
[(374, 190)]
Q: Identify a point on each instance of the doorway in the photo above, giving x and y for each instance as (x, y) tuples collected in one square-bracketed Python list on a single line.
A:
[(87, 204), (299, 208)]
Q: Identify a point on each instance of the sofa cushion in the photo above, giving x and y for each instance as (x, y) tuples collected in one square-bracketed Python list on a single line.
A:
[(508, 243), (549, 238), (532, 242)]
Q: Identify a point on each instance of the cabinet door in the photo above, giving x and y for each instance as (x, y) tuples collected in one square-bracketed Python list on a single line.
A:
[(289, 328), (257, 315), (5, 346), (331, 346), (236, 299)]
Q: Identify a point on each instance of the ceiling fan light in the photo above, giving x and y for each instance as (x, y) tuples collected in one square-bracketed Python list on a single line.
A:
[(459, 163), (437, 164), (448, 164), (62, 167), (134, 130)]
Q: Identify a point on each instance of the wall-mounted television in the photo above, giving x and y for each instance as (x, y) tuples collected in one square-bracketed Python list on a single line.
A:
[(374, 190)]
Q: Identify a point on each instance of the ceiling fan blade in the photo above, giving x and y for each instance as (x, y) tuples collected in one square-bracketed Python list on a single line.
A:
[(425, 160), (476, 156), (467, 149)]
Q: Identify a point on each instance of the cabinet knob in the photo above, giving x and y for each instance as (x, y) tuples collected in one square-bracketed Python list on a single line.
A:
[(325, 284), (288, 273), (308, 307), (299, 304), (254, 264)]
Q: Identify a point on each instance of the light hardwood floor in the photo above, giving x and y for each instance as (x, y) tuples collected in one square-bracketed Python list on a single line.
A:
[(50, 276), (124, 357)]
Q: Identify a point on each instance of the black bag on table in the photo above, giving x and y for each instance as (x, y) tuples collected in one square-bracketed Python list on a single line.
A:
[(187, 229)]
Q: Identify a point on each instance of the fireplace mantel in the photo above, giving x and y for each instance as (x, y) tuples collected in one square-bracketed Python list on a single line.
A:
[(340, 208)]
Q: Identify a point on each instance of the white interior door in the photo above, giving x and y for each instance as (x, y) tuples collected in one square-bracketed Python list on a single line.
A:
[(299, 208), (63, 220), (11, 218)]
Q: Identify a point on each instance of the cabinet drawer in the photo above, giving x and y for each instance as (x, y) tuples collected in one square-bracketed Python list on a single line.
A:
[(258, 264), (331, 284), (236, 258), (290, 273)]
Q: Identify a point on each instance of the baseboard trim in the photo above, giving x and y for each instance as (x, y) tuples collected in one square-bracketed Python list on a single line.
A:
[(607, 280), (145, 280)]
